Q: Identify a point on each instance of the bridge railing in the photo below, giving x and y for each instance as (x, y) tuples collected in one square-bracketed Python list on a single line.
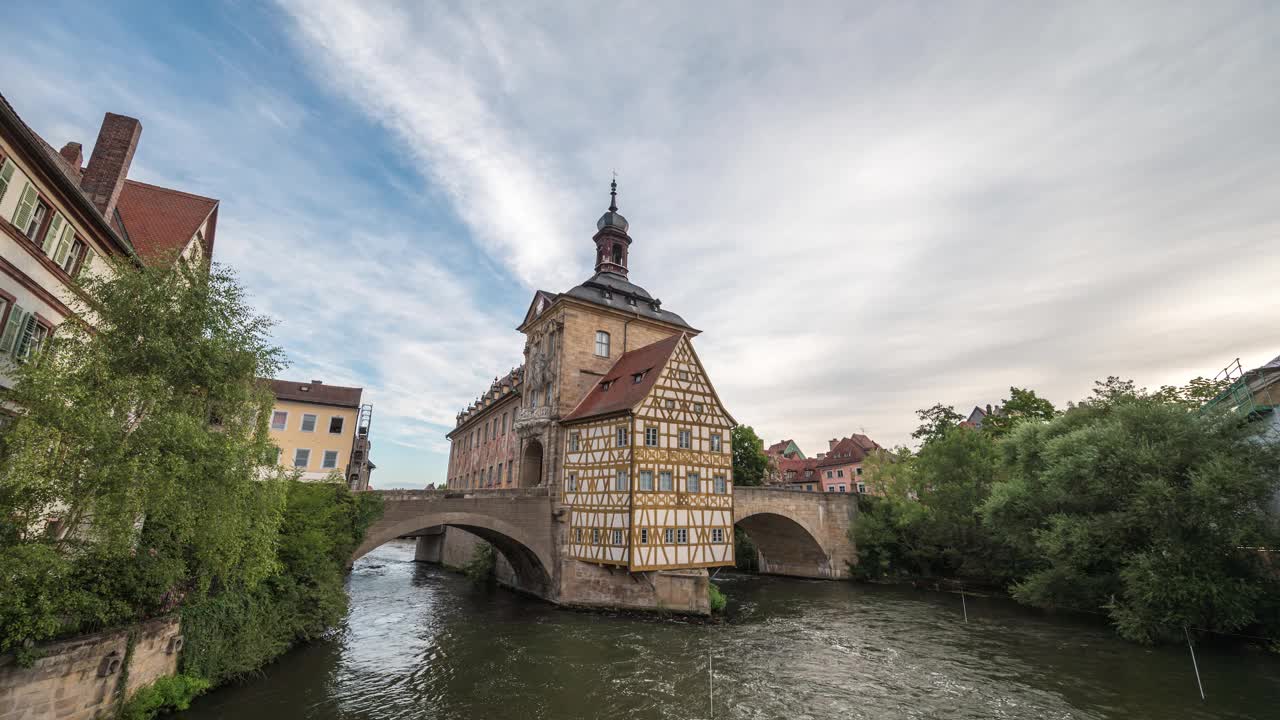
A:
[(456, 493)]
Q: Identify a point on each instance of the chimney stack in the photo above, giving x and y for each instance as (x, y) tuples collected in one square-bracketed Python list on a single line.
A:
[(109, 165), (73, 154), (831, 444)]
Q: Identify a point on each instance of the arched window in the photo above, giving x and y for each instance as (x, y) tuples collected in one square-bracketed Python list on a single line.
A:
[(602, 343), (617, 254)]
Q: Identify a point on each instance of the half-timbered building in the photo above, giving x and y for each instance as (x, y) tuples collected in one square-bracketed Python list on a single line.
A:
[(618, 416)]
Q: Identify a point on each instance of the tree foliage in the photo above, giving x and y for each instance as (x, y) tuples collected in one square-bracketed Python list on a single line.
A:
[(1021, 405), (1134, 504), (131, 474), (750, 463), (935, 422)]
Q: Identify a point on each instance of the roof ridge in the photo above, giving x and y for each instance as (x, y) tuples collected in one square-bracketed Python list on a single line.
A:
[(170, 190)]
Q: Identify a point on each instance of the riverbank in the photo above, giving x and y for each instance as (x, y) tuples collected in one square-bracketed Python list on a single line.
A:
[(423, 642)]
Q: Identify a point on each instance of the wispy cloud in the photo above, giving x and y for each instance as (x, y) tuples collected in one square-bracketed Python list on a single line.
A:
[(868, 209)]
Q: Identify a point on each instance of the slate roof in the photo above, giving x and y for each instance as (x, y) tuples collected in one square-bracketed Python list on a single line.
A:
[(618, 391), (623, 291), (316, 393), (161, 221)]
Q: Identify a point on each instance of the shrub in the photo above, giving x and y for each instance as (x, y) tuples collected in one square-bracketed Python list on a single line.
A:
[(716, 598), (168, 693), (481, 565)]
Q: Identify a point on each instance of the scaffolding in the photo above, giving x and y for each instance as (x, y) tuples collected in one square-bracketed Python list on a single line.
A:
[(1247, 394)]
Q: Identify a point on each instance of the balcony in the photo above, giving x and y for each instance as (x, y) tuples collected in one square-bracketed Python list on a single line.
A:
[(532, 419)]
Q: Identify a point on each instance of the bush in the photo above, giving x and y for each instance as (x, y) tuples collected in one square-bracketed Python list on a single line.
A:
[(482, 563), (168, 693), (242, 627), (716, 598)]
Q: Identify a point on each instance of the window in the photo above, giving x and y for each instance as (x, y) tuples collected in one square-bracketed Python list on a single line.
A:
[(595, 536), (330, 460), (571, 482), (671, 404), (546, 396), (617, 537), (301, 457), (840, 472), (617, 254), (857, 471), (651, 436), (622, 436), (717, 535), (30, 212), (684, 374), (499, 473), (509, 465), (577, 534), (716, 442), (682, 536), (692, 483), (602, 343), (279, 420), (842, 488), (862, 487), (637, 377), (622, 482), (484, 437), (335, 425), (573, 442), (684, 439), (6, 175), (664, 481), (668, 536), (644, 536), (646, 480), (504, 423), (308, 422), (697, 407), (721, 485)]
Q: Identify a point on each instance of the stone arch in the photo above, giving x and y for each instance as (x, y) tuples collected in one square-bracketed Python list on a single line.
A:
[(531, 463), (787, 545), (531, 563)]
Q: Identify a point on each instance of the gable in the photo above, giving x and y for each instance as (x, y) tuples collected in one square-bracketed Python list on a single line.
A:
[(683, 393), (541, 302)]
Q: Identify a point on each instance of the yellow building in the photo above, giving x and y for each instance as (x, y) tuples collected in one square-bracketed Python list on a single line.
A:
[(322, 430)]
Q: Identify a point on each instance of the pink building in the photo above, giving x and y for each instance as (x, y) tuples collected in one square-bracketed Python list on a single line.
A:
[(840, 468)]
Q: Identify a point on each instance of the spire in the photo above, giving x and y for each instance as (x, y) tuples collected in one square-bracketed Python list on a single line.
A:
[(612, 240)]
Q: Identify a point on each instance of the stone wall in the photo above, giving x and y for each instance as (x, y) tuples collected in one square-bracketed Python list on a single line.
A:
[(603, 586), (78, 679)]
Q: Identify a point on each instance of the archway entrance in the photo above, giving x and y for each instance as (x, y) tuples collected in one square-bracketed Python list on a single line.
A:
[(531, 464)]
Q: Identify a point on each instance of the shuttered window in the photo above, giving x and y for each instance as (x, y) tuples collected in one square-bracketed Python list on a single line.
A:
[(23, 334), (6, 176), (63, 250), (26, 205), (17, 318), (53, 234)]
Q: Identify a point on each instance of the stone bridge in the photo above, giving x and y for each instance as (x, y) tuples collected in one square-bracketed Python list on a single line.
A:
[(799, 534)]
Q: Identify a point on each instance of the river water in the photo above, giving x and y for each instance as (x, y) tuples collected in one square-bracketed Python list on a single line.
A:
[(424, 643)]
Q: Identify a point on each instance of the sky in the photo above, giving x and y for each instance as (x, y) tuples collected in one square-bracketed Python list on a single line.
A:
[(868, 208)]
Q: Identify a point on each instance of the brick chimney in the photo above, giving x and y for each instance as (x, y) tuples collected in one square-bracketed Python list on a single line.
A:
[(831, 444), (73, 154), (109, 165)]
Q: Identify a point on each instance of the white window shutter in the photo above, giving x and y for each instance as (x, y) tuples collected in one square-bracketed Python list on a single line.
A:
[(6, 174), (51, 235), (26, 204), (64, 244), (17, 317)]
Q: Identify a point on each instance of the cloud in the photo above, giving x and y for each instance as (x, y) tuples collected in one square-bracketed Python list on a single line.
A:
[(868, 209)]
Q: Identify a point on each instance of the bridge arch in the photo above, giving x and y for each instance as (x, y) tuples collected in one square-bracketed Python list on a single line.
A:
[(529, 558), (786, 545)]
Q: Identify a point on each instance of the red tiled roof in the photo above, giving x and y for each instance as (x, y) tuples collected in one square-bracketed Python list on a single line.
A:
[(317, 393), (622, 392), (778, 447), (160, 221), (852, 449)]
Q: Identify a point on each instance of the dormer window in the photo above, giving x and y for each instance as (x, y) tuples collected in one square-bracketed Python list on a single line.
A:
[(607, 295), (631, 301), (636, 378), (604, 386)]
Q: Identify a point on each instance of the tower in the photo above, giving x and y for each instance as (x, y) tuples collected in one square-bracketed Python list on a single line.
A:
[(611, 238)]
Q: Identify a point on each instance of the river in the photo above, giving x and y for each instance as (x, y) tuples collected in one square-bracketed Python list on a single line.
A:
[(424, 643)]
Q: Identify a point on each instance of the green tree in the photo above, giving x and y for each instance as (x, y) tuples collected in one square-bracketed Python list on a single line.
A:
[(935, 422), (750, 463), (134, 467), (1021, 405), (1132, 505)]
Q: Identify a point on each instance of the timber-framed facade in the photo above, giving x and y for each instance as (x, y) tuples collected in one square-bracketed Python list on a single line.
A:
[(618, 416)]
